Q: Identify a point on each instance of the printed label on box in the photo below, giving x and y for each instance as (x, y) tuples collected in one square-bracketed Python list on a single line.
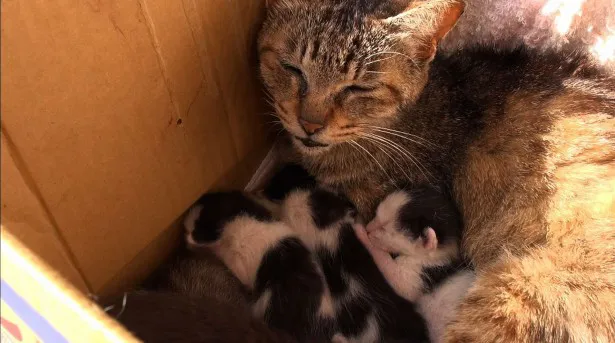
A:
[(14, 330), (21, 323)]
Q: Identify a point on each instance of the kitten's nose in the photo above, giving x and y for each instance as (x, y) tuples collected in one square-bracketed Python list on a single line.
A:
[(309, 127)]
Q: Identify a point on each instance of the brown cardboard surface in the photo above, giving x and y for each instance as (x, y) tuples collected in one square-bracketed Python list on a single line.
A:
[(162, 246), (23, 214), (124, 112), (144, 263)]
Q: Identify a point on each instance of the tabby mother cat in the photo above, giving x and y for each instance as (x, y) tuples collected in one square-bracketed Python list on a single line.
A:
[(525, 141)]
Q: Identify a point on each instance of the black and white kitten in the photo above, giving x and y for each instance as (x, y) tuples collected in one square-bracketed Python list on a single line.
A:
[(266, 256), (325, 222), (309, 273), (414, 240)]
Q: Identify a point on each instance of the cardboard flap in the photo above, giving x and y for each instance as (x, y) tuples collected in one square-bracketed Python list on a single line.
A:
[(37, 304)]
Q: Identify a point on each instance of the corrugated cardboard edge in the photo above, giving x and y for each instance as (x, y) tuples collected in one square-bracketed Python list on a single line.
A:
[(75, 317)]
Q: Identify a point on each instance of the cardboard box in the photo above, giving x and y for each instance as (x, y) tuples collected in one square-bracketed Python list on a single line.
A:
[(116, 116)]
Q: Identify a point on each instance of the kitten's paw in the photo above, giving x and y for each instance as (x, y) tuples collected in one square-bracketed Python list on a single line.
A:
[(362, 235), (339, 338), (387, 241), (381, 257), (374, 225)]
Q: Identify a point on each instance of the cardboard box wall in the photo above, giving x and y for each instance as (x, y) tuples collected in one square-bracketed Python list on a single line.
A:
[(116, 116)]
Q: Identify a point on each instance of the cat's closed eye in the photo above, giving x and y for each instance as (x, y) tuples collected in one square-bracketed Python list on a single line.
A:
[(298, 73), (357, 89), (355, 92)]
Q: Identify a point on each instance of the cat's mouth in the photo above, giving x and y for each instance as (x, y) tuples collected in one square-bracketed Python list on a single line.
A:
[(310, 143)]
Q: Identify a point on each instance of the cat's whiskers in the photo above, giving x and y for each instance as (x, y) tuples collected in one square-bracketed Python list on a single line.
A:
[(391, 53), (382, 147), (274, 124), (272, 114), (406, 135), (354, 143), (400, 136), (278, 128), (399, 151), (404, 152), (378, 60), (269, 99)]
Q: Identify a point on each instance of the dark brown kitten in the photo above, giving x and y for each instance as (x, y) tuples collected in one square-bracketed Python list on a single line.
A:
[(201, 274), (169, 317), (525, 141)]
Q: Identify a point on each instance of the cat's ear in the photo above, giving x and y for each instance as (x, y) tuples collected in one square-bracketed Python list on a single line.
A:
[(430, 240), (270, 3), (426, 23)]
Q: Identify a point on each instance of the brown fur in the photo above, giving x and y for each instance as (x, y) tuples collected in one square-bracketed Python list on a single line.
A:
[(505, 24), (547, 253), (197, 299), (168, 317), (525, 141), (204, 275)]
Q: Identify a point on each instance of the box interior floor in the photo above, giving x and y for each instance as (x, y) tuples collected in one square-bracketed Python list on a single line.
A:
[(116, 116)]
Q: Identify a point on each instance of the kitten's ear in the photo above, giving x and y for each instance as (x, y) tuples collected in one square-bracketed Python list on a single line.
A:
[(430, 240), (427, 22)]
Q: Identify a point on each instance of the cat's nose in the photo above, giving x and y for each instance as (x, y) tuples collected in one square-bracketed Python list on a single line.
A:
[(310, 127)]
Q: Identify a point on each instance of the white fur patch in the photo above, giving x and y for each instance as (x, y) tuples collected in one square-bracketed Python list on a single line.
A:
[(404, 272), (189, 222), (389, 207), (440, 307), (297, 214), (405, 277), (243, 243), (370, 334), (339, 338), (261, 305), (330, 306), (327, 306), (355, 290)]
